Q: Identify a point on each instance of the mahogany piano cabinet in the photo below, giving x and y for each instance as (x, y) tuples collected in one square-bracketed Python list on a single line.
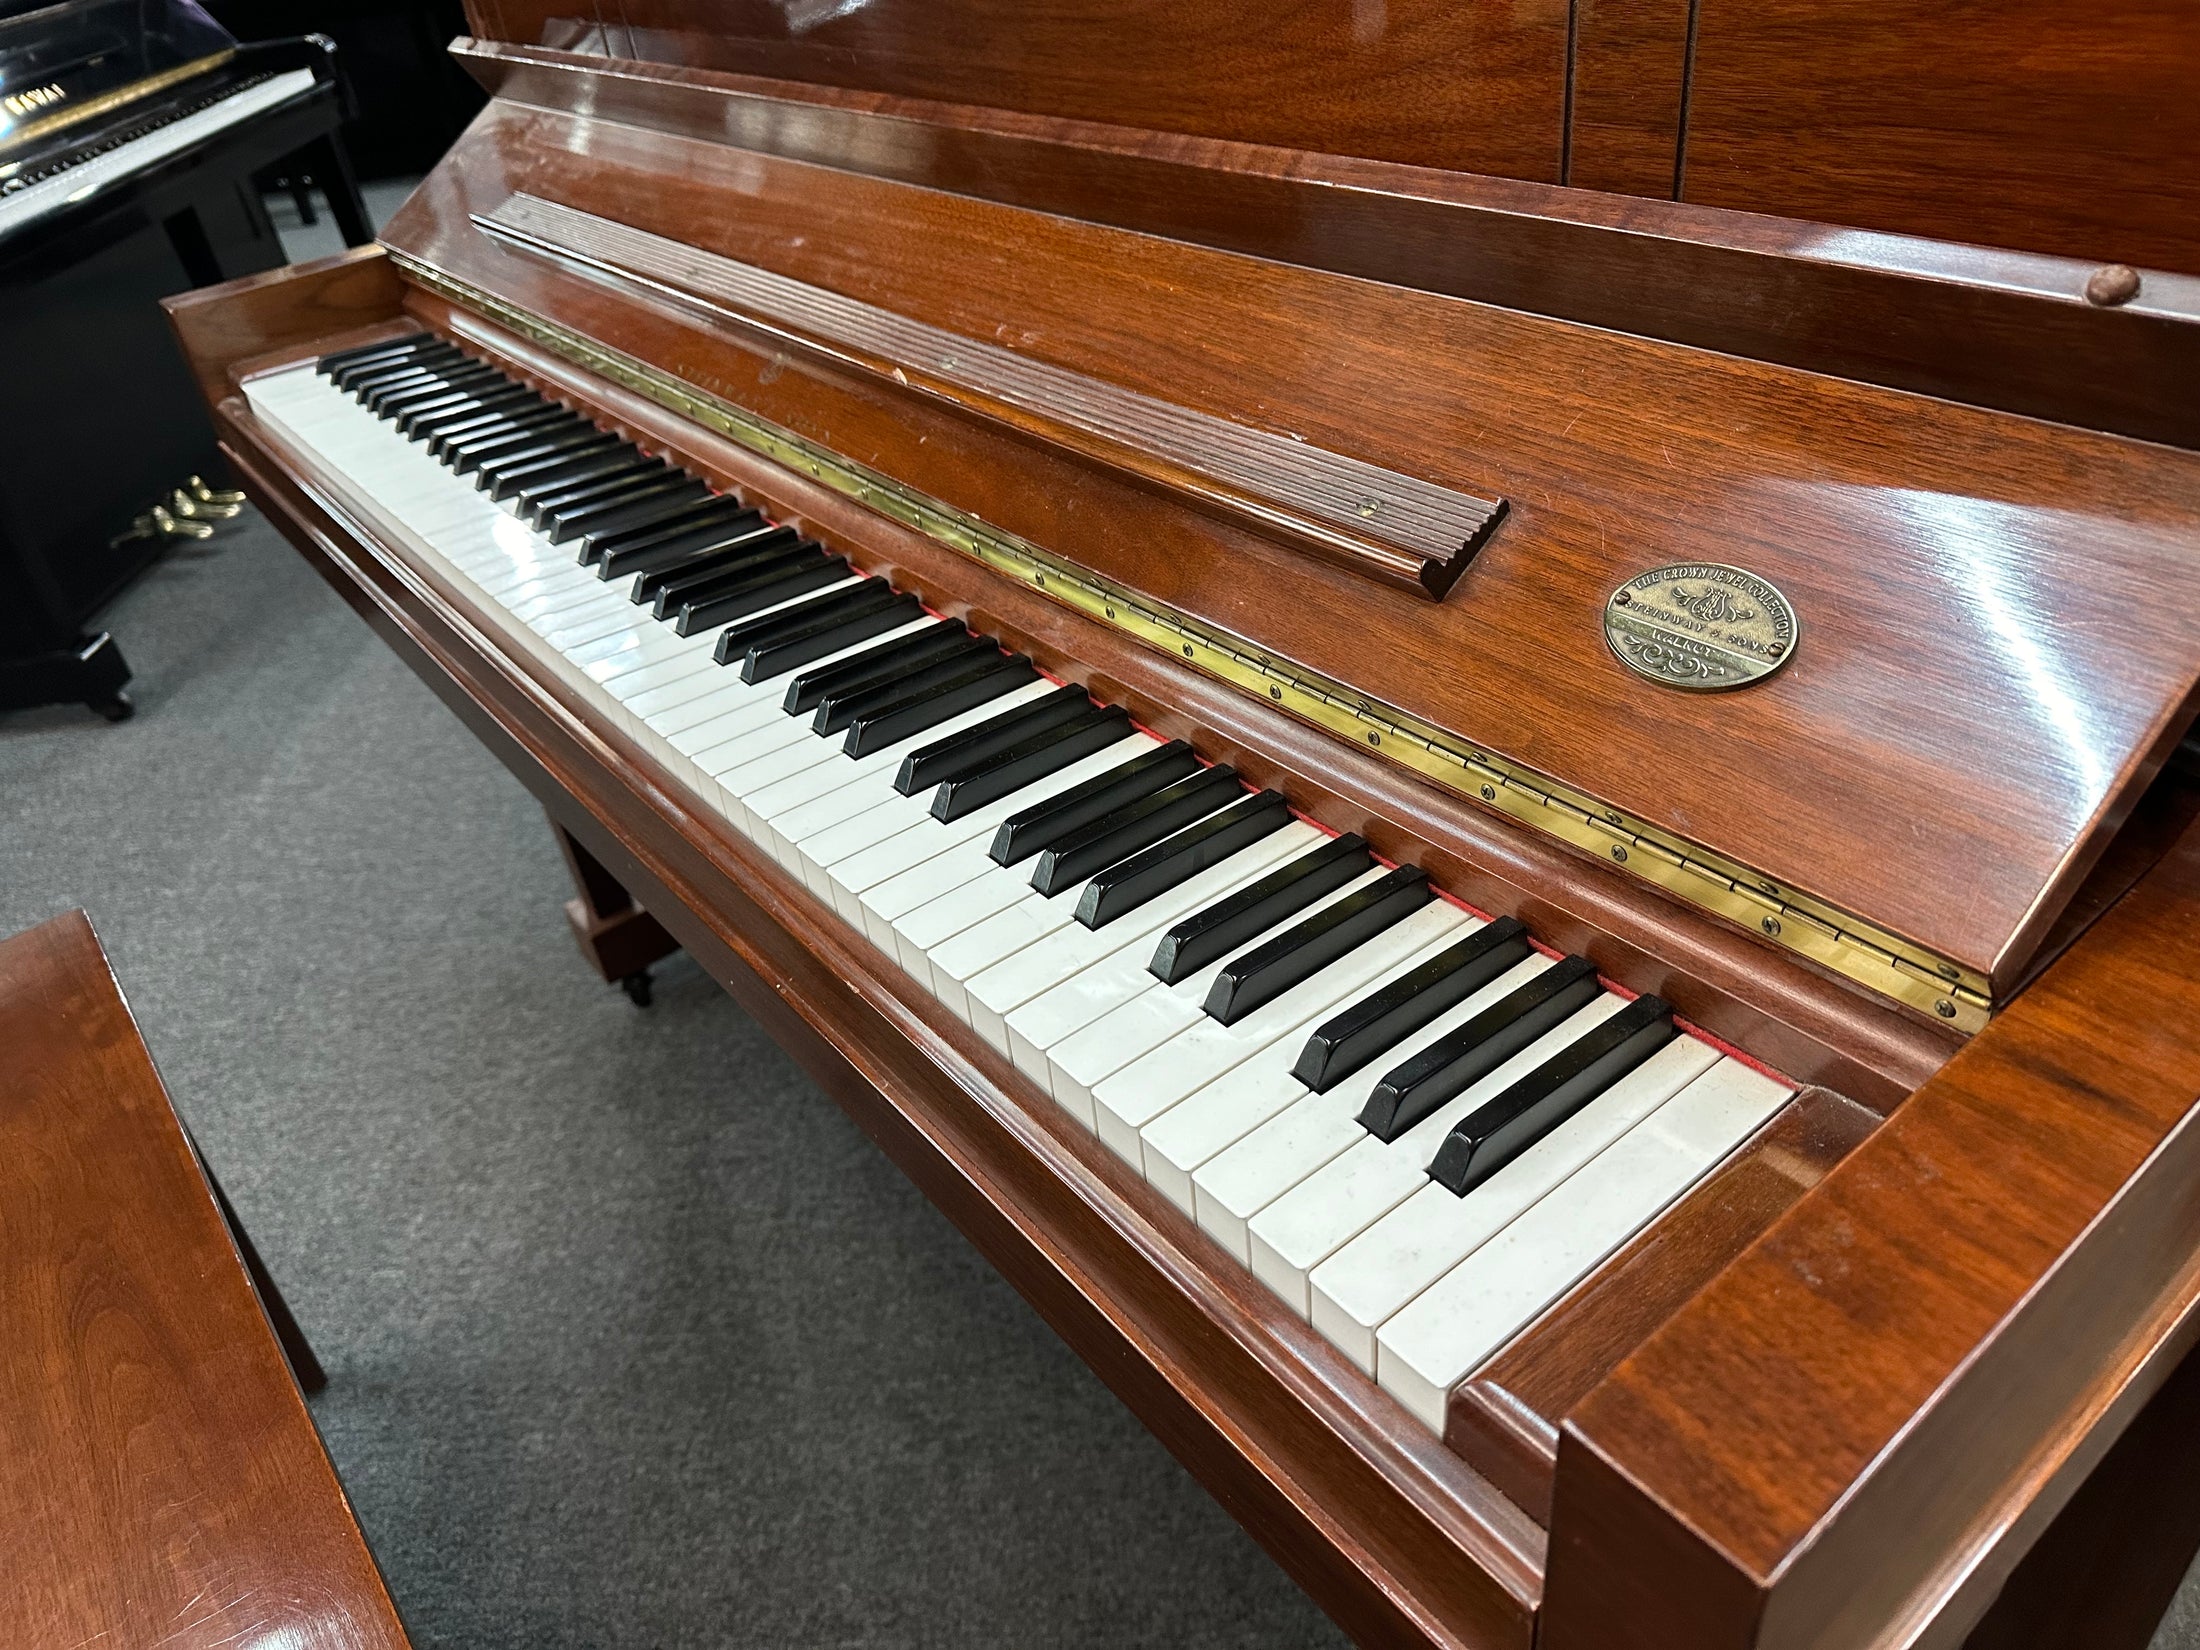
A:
[(162, 1482), (1528, 856)]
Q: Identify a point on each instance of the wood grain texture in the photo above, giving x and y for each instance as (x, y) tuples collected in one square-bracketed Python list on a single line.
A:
[(1504, 1419), (2003, 329), (1630, 64), (1476, 87), (1919, 542), (1390, 527), (2065, 129), (162, 1482), (1869, 1415), (1390, 1531), (1735, 990), (265, 312)]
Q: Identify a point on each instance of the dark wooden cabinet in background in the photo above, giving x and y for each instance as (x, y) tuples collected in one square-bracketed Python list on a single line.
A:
[(2018, 123)]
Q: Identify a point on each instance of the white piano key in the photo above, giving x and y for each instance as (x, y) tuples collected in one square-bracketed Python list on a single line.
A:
[(863, 779), (1094, 1024), (1126, 1102), (853, 873), (1072, 946), (1357, 1289), (1470, 1313), (1184, 1147), (1341, 1199)]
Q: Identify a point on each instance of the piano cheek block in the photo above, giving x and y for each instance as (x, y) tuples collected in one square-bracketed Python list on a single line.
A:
[(1491, 1136)]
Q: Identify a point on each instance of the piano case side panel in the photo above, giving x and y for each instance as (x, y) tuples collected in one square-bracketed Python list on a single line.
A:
[(1856, 1431)]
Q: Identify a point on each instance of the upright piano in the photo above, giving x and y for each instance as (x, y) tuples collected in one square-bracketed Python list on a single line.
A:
[(130, 134), (1524, 850)]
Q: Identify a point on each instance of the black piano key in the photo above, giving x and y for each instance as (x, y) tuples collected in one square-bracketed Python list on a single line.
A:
[(645, 507), (508, 476), (752, 573), (377, 363), (387, 400), (635, 470), (439, 388), (705, 523), (942, 669), (466, 452), (1267, 971), (716, 560), (503, 476), (1126, 885), (328, 365), (770, 627), (462, 401), (468, 412), (1044, 823), (404, 374), (1208, 936), (986, 678), (1030, 762), (877, 667), (803, 571), (766, 660), (1345, 1042), (1467, 1053), (970, 749), (1132, 827), (1493, 1134), (358, 384)]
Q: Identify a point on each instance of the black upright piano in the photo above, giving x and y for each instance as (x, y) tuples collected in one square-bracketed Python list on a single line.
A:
[(130, 133)]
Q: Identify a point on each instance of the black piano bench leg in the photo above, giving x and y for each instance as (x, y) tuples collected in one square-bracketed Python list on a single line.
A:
[(91, 673), (619, 939)]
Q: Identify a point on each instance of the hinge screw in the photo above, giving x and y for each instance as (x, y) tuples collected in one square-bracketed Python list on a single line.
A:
[(1619, 853), (1945, 1009), (1489, 793), (1771, 925)]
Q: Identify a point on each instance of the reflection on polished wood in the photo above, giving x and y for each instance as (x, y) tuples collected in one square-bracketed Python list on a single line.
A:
[(1879, 1350), (161, 1481)]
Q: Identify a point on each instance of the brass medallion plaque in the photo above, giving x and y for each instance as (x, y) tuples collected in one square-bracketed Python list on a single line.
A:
[(1700, 626)]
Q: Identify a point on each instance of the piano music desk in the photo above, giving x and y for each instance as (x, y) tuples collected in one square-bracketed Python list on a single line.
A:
[(161, 1482)]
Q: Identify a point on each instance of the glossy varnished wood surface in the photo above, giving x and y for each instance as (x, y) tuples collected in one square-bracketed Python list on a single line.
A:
[(1869, 1415), (1630, 84), (1987, 663), (1504, 1418), (1990, 328), (1477, 86), (160, 1481), (1393, 1534), (1733, 989), (2027, 123)]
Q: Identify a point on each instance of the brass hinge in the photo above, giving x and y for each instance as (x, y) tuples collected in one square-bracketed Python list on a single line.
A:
[(1836, 940)]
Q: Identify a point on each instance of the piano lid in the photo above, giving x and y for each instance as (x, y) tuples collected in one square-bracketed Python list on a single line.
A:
[(67, 63), (1987, 657)]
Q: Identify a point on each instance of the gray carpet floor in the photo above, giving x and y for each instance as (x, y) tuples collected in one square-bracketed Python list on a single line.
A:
[(633, 1339)]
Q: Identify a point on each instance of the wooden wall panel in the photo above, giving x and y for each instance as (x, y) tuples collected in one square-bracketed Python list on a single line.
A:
[(2025, 123), (1630, 66), (1470, 85)]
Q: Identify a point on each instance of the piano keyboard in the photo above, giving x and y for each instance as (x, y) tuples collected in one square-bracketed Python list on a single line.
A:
[(27, 195), (1416, 1126)]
